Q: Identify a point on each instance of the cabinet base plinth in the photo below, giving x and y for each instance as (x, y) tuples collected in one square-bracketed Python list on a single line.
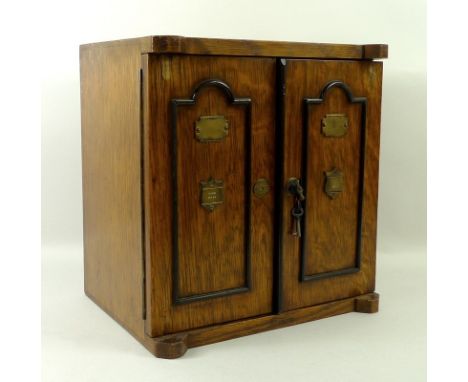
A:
[(175, 345)]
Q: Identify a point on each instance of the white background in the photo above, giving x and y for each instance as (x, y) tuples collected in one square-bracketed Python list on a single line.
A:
[(81, 343)]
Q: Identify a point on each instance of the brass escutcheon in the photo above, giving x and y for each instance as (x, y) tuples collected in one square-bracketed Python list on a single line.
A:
[(261, 187)]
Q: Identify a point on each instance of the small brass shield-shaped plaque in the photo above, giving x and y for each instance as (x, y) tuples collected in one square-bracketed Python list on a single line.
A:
[(211, 128), (212, 193), (334, 125), (333, 183)]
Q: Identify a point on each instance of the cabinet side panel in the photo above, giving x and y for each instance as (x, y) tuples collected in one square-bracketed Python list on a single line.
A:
[(110, 118)]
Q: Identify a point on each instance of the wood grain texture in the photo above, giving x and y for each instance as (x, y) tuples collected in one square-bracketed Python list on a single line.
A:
[(211, 244), (128, 229), (137, 45), (187, 45), (207, 245), (331, 235), (218, 333), (331, 228), (257, 48), (110, 120), (375, 51)]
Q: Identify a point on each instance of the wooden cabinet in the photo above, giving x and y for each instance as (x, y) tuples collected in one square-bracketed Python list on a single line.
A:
[(229, 187)]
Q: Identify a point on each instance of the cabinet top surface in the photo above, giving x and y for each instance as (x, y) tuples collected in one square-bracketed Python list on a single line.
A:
[(258, 48)]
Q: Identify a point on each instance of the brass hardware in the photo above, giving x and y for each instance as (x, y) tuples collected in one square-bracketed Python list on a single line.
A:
[(333, 183), (334, 125), (294, 188), (212, 193), (261, 187), (211, 128)]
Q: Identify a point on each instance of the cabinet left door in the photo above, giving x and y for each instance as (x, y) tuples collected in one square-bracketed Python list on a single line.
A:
[(209, 148)]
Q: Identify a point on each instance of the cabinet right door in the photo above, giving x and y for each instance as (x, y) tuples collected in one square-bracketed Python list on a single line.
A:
[(331, 118)]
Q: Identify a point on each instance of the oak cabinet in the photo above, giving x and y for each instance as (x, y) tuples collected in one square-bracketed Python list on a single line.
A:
[(229, 187)]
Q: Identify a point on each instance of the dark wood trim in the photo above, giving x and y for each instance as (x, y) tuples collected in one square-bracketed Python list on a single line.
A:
[(367, 303), (175, 103), (305, 159), (258, 48), (142, 196), (279, 163)]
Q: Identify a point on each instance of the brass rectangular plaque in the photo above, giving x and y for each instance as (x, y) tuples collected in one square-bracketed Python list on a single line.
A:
[(212, 193), (334, 125), (211, 128)]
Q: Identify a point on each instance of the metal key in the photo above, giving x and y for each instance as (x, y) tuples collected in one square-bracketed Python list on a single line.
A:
[(297, 211)]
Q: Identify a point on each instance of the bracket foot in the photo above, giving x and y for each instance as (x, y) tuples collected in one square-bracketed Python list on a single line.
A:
[(171, 347), (368, 303)]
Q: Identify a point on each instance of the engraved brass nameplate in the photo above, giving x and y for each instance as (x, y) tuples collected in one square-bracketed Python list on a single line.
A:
[(261, 187), (334, 125), (211, 193), (333, 183), (211, 128)]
